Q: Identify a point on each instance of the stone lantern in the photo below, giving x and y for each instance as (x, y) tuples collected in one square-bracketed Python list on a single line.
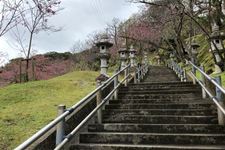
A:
[(158, 59), (194, 52), (133, 56), (194, 46), (123, 52), (217, 47), (104, 44), (146, 58)]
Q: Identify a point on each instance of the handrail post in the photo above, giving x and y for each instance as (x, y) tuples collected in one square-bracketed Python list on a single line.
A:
[(115, 85), (139, 75), (142, 72), (178, 71), (181, 75), (125, 74), (60, 130), (219, 96), (194, 73), (184, 75), (203, 82), (173, 67), (135, 76), (98, 101), (193, 70)]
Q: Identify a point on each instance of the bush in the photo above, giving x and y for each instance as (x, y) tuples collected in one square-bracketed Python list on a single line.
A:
[(56, 55)]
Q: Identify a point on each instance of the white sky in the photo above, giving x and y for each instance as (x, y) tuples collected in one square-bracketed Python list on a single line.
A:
[(78, 19)]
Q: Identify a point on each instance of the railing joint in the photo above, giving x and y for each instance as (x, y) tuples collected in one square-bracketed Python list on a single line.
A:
[(70, 110)]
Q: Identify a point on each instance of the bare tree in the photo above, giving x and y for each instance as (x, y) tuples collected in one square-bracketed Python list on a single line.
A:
[(3, 58), (78, 46), (34, 16), (9, 16), (112, 29)]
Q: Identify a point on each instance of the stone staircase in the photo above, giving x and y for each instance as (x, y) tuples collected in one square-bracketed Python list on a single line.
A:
[(159, 113)]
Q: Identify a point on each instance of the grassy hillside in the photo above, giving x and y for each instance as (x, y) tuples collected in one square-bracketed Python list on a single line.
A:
[(204, 56), (25, 108)]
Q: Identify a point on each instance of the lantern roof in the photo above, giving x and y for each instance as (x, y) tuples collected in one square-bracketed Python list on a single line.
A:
[(104, 41), (132, 49), (123, 48), (195, 45), (216, 34)]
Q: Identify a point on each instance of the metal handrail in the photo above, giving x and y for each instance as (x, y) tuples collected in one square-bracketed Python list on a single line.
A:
[(178, 70), (215, 100), (69, 111), (53, 123), (208, 77), (90, 115)]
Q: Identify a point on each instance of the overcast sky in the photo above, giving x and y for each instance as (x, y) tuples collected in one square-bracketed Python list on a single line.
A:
[(78, 19)]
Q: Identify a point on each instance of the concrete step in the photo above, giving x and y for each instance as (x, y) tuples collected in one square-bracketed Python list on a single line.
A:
[(152, 138), (177, 83), (158, 128), (160, 96), (161, 85), (159, 73), (159, 101), (187, 112), (144, 147), (160, 119), (163, 88), (161, 76), (160, 106), (161, 79), (171, 91)]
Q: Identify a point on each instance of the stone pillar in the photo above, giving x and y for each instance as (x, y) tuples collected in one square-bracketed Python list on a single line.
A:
[(98, 101), (217, 48), (133, 56), (123, 52), (146, 58), (104, 44), (194, 53)]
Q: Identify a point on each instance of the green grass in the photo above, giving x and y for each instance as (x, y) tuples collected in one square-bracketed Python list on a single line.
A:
[(204, 56), (25, 108)]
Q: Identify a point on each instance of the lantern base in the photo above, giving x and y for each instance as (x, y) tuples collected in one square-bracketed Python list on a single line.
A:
[(102, 77)]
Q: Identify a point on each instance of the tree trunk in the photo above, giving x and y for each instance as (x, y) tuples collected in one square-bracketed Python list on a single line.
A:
[(28, 56), (20, 71), (27, 71), (33, 70)]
